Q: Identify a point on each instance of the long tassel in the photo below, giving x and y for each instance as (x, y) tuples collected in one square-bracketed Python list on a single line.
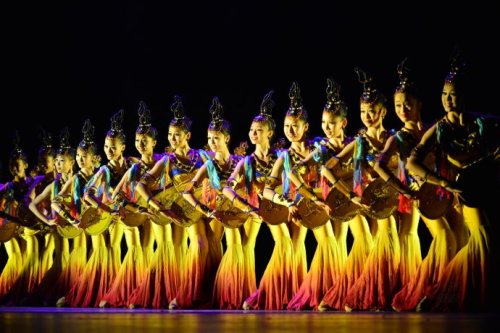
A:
[(325, 188), (165, 176), (211, 171), (209, 195), (358, 172), (405, 204), (55, 191), (320, 153), (441, 164), (134, 175), (107, 185), (6, 202), (252, 197), (77, 198), (444, 173), (103, 189), (286, 170)]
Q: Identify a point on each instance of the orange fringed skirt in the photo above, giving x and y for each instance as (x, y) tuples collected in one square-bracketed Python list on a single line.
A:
[(379, 281)]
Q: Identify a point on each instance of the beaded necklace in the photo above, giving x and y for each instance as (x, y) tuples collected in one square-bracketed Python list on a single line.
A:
[(262, 167), (194, 159), (225, 172)]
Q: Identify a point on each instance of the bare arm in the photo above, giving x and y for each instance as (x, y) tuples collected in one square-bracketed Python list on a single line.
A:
[(125, 180), (144, 186), (90, 197), (58, 205), (229, 190), (382, 168), (416, 165), (333, 162), (33, 206), (188, 194), (32, 190), (269, 190)]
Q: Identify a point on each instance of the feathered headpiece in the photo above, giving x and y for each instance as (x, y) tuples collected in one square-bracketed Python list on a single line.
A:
[(177, 109), (46, 138), (216, 112), (17, 144), (144, 117), (17, 153), (333, 101), (64, 140), (457, 66), (88, 134), (403, 74), (116, 123), (370, 93), (267, 105), (295, 108), (180, 119)]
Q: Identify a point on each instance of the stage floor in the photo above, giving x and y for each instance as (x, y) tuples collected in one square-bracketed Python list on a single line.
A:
[(83, 320)]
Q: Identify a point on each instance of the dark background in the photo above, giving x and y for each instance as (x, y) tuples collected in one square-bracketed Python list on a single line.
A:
[(70, 61)]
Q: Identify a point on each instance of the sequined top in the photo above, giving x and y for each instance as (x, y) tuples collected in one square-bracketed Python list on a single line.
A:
[(225, 171), (324, 151), (179, 167), (14, 193), (368, 152), (257, 172), (473, 138), (105, 179)]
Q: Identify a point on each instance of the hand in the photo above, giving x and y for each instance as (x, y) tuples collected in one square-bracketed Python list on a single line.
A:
[(357, 200), (204, 210), (414, 186), (155, 206), (293, 212), (451, 187), (51, 222), (169, 214), (75, 222), (255, 214), (297, 220), (324, 206), (215, 215), (120, 212), (408, 193), (102, 208)]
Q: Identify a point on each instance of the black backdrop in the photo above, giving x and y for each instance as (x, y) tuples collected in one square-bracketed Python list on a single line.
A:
[(67, 62)]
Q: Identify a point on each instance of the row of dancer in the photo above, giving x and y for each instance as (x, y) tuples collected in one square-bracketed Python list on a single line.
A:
[(175, 258)]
